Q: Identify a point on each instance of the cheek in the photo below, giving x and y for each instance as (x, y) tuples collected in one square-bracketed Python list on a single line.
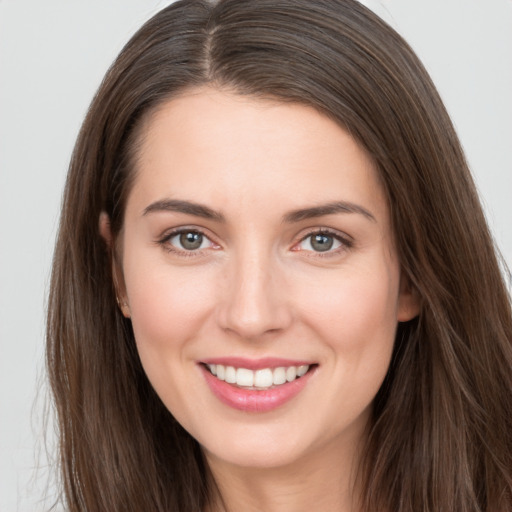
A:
[(355, 313), (357, 322), (355, 299), (167, 305)]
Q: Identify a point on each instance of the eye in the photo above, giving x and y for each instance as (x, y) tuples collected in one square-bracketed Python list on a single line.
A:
[(187, 240), (323, 242)]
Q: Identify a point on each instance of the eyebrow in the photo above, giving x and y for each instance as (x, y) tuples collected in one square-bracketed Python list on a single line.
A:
[(199, 210), (327, 209), (188, 207)]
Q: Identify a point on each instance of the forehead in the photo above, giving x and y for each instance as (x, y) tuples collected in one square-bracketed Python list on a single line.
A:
[(213, 146)]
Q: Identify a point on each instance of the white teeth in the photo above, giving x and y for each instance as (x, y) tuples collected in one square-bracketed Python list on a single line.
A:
[(279, 376), (244, 377), (263, 378), (291, 373), (221, 372), (230, 375), (301, 370)]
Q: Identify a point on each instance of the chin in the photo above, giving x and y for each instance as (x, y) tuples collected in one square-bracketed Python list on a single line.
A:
[(267, 455)]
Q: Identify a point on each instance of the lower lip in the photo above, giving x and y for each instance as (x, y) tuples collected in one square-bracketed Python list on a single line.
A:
[(254, 400)]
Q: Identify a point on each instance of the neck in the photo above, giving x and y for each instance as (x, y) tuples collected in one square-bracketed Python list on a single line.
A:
[(322, 480)]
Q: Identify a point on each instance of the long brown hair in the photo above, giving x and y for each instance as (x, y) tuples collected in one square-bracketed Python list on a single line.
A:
[(441, 434)]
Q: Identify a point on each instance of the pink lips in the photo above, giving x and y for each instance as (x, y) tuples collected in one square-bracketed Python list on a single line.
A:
[(254, 400)]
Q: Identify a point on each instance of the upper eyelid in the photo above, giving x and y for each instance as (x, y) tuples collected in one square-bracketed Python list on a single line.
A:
[(170, 233), (326, 231)]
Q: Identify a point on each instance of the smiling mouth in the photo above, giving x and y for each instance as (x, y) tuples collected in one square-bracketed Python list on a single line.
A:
[(261, 379)]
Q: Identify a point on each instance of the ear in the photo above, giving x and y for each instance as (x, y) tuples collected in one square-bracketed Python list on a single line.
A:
[(117, 272), (409, 300), (105, 231)]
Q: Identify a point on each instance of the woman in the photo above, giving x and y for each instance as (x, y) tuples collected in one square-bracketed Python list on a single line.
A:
[(274, 287)]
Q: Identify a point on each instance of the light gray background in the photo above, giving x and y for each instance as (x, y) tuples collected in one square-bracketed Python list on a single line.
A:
[(53, 55)]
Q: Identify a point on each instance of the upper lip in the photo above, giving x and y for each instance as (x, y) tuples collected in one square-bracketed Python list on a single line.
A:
[(255, 364)]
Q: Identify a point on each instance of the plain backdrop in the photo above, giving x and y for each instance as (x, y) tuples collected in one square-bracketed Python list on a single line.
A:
[(53, 55)]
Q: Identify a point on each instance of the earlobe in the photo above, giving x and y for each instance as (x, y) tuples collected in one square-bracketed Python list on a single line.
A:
[(409, 300), (123, 306), (117, 274)]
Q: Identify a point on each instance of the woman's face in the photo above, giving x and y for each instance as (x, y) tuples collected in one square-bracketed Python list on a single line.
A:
[(257, 240)]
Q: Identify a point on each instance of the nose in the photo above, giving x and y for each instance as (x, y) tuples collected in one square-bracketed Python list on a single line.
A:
[(254, 301)]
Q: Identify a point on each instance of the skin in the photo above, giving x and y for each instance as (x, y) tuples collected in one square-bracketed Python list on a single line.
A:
[(258, 288)]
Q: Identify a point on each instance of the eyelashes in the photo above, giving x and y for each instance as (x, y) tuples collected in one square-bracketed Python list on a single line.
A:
[(187, 242), (318, 242), (324, 242)]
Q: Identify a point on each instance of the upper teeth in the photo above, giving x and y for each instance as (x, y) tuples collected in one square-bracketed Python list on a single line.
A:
[(260, 379)]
